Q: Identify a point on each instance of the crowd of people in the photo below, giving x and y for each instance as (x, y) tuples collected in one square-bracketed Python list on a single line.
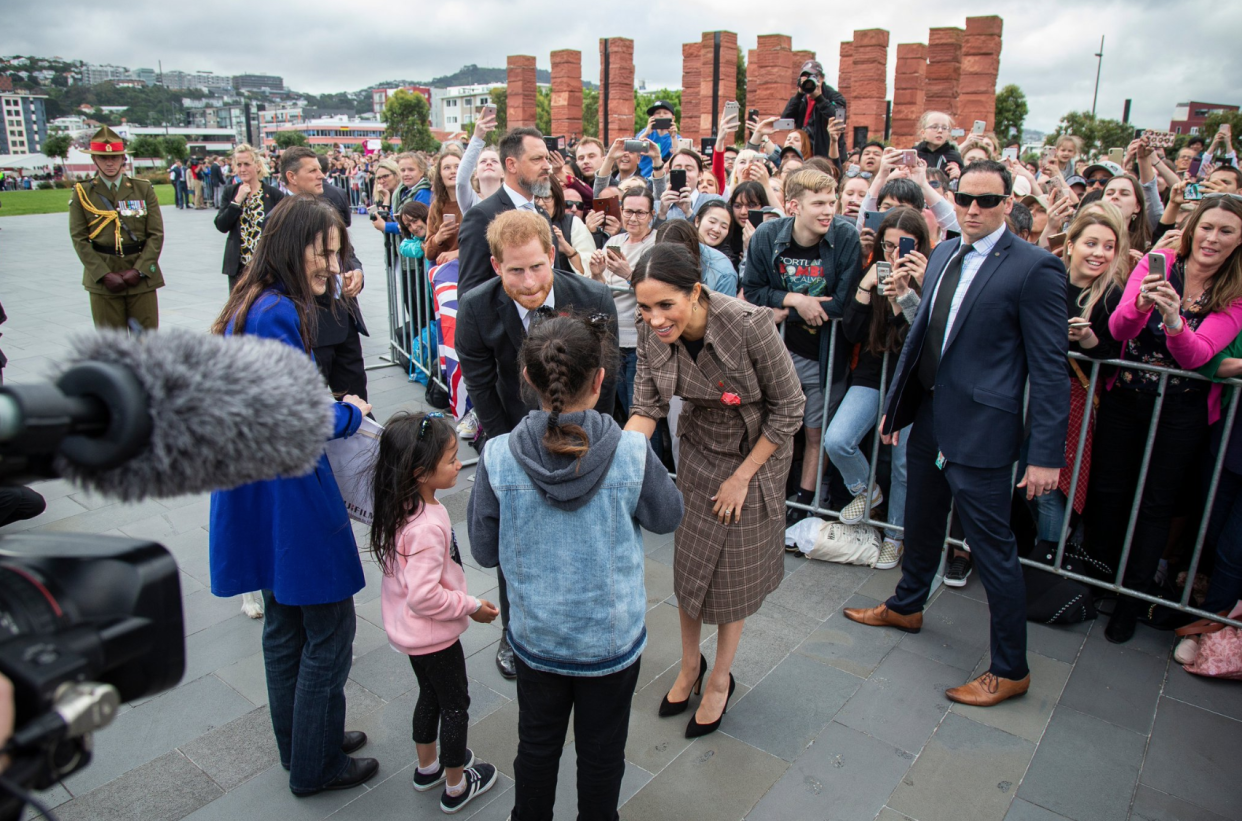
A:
[(752, 318)]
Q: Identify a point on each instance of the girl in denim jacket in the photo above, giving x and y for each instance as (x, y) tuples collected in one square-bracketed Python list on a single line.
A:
[(559, 503)]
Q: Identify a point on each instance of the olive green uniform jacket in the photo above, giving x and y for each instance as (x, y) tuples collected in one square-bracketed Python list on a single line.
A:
[(141, 224)]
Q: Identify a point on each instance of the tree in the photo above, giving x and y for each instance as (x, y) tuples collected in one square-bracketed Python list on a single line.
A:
[(408, 117), (741, 81), (1097, 134), (1011, 111), (288, 139), (145, 147), (590, 112), (543, 112), (1212, 124), (644, 99), (500, 99), (175, 148), (58, 148)]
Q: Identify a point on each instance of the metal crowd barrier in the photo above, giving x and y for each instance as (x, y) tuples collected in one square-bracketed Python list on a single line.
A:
[(1095, 365)]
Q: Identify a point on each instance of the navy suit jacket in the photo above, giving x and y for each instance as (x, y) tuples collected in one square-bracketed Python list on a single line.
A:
[(1010, 327)]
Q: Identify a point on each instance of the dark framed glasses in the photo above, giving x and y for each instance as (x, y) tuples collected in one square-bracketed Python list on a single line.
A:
[(575, 205), (425, 425), (985, 200), (1100, 181)]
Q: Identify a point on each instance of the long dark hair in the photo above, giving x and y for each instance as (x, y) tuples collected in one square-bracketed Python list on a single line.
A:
[(561, 356), (884, 335), (411, 447), (752, 192), (683, 233), (279, 262)]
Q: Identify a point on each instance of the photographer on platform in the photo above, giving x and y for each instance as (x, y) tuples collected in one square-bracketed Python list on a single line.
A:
[(813, 108)]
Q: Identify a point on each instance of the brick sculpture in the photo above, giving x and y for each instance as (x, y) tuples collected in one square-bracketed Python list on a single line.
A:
[(566, 93), (981, 49), (691, 74), (908, 93), (868, 83), (944, 70), (845, 81), (768, 78), (726, 81), (520, 100), (616, 83)]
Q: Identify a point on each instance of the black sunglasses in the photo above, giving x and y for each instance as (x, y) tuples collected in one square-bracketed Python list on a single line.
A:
[(426, 423), (574, 205), (1098, 181), (985, 200)]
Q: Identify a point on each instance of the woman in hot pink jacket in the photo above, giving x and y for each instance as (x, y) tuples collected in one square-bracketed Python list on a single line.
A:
[(1178, 318), (423, 597)]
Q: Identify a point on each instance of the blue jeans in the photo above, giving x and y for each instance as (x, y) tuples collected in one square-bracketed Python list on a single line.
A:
[(181, 194), (308, 651), (625, 378), (1226, 531), (856, 416), (1051, 507)]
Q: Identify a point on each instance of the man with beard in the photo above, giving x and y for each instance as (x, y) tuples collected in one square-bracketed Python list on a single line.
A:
[(494, 318), (528, 169)]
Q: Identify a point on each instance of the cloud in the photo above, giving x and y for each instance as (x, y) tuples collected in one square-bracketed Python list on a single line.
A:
[(1156, 53)]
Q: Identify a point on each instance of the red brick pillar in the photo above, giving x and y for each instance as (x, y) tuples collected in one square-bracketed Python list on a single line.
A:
[(616, 82), (845, 85), (944, 70), (771, 78), (981, 50), (520, 99), (725, 87), (868, 83), (566, 93), (908, 93), (795, 70), (691, 75), (752, 89)]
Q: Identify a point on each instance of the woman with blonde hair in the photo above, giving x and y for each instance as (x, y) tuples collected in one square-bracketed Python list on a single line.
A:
[(246, 205)]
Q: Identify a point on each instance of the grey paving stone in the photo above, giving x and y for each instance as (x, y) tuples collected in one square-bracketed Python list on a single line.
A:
[(56, 509), (1061, 641), (51, 798), (156, 727), (819, 589), (635, 779), (248, 677), (481, 636), (654, 742), (715, 771), (106, 518), (880, 584), (903, 701), (849, 646), (1027, 716), (394, 797), (369, 611), (658, 579), (384, 672), (790, 706), (495, 739), (844, 772), (955, 631), (889, 814), (662, 554), (1194, 755), (1153, 805), (221, 645), (1085, 768), (499, 806), (651, 541), (664, 643), (201, 609), (166, 789), (236, 752), (1021, 810), (966, 770), (1159, 643), (267, 796), (481, 667), (767, 638), (1117, 683), (359, 701), (189, 584), (1224, 697), (371, 588), (368, 636)]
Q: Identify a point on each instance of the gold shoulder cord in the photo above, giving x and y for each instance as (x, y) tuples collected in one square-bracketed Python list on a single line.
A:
[(101, 219)]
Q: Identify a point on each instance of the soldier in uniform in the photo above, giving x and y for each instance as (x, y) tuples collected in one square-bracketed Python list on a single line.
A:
[(117, 232)]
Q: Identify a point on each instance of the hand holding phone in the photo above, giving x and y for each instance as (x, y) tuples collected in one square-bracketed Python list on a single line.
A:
[(979, 127), (676, 179), (904, 246), (755, 217), (784, 124), (636, 146), (883, 271)]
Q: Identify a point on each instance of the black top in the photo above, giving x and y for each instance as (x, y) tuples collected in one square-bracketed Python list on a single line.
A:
[(694, 347), (802, 271), (856, 328), (1108, 348), (228, 221)]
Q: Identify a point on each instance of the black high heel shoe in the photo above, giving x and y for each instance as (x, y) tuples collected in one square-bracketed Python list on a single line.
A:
[(674, 708), (694, 729)]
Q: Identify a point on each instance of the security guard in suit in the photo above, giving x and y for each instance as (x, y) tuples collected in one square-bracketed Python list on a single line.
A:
[(118, 233)]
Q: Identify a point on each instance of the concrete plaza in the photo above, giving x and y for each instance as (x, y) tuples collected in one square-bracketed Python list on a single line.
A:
[(831, 720)]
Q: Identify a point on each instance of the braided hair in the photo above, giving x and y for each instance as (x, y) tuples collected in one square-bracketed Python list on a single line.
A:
[(561, 356)]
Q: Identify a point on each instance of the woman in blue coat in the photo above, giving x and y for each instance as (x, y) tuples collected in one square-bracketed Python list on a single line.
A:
[(291, 537)]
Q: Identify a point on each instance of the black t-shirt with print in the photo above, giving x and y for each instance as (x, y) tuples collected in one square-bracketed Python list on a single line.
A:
[(802, 272)]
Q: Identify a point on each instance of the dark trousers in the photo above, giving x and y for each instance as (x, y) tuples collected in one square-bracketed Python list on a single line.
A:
[(443, 706), (601, 710), (342, 365), (1116, 457), (307, 652), (1225, 531), (18, 504), (981, 501), (233, 280)]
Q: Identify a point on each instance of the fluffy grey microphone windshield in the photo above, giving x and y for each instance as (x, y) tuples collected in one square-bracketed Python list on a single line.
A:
[(225, 411)]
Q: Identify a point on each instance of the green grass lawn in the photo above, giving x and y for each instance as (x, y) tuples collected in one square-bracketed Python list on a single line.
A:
[(56, 201)]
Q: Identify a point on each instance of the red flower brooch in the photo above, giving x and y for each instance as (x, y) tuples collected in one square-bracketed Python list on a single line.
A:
[(727, 398)]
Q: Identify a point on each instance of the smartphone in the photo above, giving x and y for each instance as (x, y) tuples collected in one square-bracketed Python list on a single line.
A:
[(488, 111), (1195, 165), (707, 146), (958, 132), (1138, 133), (904, 246), (883, 271), (784, 125), (677, 178), (753, 114), (636, 146), (1117, 155), (1010, 153), (731, 108), (1079, 322), (614, 252), (1156, 265), (979, 127), (872, 219), (608, 206), (1056, 241), (755, 215), (662, 123), (853, 171), (910, 158), (685, 143), (1049, 152), (554, 143), (449, 219), (1192, 192)]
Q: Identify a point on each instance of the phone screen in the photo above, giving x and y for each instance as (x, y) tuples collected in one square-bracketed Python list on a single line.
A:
[(755, 216), (450, 219), (731, 108), (613, 252)]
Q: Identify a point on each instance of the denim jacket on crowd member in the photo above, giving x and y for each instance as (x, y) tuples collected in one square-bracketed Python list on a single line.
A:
[(840, 253), (566, 532)]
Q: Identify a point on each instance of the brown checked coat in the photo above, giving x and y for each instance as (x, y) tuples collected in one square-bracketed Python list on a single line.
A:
[(722, 573)]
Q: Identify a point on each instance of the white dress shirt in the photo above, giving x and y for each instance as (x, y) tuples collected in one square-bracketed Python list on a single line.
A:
[(525, 315), (519, 201), (971, 264)]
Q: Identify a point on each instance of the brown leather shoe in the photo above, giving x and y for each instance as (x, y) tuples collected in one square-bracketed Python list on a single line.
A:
[(883, 617), (989, 690)]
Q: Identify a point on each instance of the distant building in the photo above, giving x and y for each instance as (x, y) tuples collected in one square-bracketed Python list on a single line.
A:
[(67, 125), (258, 82), (379, 96), (232, 117), (201, 141), (147, 75), (94, 75), (1188, 118), (25, 122), (6, 83), (180, 80), (331, 131), (459, 105)]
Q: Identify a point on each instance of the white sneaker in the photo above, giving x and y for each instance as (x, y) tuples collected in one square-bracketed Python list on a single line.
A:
[(890, 554), (1186, 650), (856, 510), (468, 426)]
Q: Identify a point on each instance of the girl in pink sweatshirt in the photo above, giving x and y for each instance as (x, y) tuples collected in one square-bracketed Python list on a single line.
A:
[(423, 598)]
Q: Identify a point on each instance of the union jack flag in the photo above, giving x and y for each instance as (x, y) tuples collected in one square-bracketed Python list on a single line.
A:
[(444, 290)]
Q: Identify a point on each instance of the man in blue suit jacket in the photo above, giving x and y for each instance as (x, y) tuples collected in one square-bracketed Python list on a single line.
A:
[(992, 316)]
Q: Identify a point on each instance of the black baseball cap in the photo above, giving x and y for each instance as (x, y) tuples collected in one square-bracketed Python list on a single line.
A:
[(657, 105)]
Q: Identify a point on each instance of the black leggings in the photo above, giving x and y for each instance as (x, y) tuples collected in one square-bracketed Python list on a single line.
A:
[(443, 702)]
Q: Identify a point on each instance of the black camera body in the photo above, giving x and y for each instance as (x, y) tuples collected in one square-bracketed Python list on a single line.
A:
[(808, 85)]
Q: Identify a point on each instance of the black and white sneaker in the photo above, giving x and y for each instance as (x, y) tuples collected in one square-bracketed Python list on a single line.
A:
[(423, 783), (958, 571), (479, 779)]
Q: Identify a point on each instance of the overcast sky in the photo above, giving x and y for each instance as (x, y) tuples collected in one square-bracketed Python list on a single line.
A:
[(1157, 52)]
